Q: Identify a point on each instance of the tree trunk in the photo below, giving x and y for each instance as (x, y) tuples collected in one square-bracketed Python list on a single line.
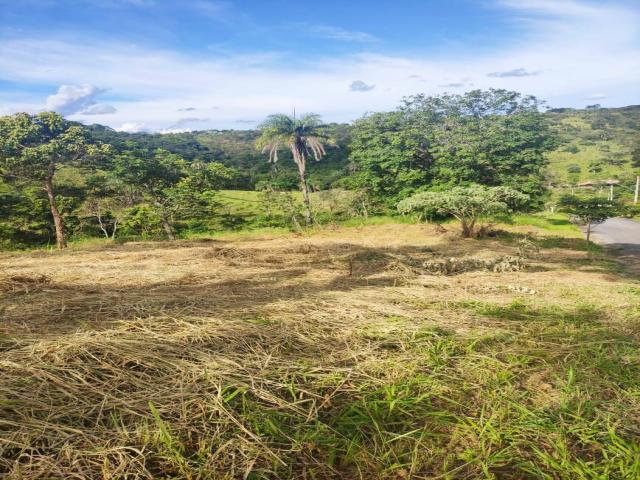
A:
[(637, 192), (365, 212), (115, 228), (168, 229), (304, 187), (61, 242), (102, 227), (588, 231), (467, 230), (307, 201)]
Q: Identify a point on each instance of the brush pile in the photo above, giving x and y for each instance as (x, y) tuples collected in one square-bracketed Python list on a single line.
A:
[(22, 283)]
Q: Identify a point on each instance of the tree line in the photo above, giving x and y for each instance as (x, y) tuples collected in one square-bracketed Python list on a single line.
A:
[(60, 176)]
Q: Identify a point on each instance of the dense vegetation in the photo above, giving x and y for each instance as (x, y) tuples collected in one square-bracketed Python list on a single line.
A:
[(491, 138)]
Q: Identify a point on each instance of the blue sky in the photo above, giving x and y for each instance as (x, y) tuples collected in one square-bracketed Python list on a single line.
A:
[(162, 65)]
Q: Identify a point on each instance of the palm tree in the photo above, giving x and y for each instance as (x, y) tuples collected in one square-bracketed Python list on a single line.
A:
[(304, 137)]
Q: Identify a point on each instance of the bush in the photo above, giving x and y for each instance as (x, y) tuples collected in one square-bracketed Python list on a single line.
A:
[(571, 149), (467, 204)]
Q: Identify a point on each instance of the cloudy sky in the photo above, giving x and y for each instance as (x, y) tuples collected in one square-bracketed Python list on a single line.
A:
[(165, 65)]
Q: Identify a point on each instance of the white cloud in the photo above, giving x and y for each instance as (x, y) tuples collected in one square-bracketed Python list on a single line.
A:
[(99, 109), (78, 99), (560, 8), (360, 86), (184, 122), (72, 98), (515, 72), (453, 85), (131, 127), (220, 11), (579, 48), (337, 33)]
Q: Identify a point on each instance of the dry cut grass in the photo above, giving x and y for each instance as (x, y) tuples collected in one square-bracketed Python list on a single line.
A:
[(394, 351)]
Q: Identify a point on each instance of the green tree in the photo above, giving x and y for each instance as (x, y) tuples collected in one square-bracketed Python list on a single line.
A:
[(493, 137), (590, 210), (571, 149), (107, 200), (153, 174), (466, 204), (391, 156), (304, 137), (33, 147), (173, 187), (595, 167), (25, 217)]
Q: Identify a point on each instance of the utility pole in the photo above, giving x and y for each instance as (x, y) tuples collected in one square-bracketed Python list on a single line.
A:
[(635, 196)]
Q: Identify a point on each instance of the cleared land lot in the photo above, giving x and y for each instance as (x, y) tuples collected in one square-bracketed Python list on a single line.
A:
[(343, 354)]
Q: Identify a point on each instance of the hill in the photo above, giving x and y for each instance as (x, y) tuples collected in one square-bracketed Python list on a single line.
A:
[(593, 144), (236, 148)]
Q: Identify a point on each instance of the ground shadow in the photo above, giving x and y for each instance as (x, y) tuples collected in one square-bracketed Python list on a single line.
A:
[(293, 273)]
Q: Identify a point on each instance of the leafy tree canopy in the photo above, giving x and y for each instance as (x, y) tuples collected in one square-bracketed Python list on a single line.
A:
[(493, 137), (467, 204), (173, 187), (33, 147)]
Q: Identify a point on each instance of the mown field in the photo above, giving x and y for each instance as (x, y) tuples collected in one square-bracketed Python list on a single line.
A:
[(389, 351)]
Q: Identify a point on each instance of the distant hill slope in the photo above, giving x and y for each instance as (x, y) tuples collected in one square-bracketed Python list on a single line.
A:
[(236, 148), (594, 144)]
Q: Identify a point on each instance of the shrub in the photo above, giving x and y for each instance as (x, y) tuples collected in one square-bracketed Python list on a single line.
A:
[(467, 204)]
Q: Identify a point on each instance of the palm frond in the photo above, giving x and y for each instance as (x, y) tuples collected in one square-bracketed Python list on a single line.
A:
[(304, 136)]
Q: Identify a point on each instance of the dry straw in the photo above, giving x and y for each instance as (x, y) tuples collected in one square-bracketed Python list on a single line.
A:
[(223, 359)]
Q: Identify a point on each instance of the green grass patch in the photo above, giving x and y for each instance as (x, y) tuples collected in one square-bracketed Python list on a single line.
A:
[(552, 222)]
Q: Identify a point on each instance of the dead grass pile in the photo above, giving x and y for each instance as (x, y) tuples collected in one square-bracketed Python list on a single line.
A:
[(90, 396), (225, 252), (456, 266), (429, 262), (23, 283)]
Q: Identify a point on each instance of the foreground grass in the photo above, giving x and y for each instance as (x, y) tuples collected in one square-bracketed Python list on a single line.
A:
[(335, 355)]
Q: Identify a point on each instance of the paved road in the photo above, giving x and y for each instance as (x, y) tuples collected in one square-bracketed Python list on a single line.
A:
[(621, 232), (622, 237)]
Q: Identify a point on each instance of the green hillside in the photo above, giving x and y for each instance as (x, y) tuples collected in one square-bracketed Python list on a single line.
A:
[(236, 148), (595, 144)]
